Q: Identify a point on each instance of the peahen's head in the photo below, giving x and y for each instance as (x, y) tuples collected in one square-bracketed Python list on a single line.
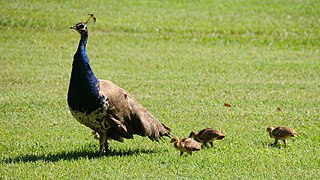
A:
[(82, 27)]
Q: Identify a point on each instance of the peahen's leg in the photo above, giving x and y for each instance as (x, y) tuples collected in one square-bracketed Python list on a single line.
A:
[(103, 143), (106, 146)]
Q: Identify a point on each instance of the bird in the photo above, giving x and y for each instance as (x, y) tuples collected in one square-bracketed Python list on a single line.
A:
[(104, 107), (207, 135), (185, 145), (281, 133)]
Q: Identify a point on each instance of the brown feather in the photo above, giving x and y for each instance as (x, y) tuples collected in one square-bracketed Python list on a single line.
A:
[(281, 133), (191, 144), (127, 116), (207, 135), (187, 145)]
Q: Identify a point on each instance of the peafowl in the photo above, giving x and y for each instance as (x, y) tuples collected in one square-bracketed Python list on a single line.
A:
[(105, 107), (281, 133), (207, 135), (185, 145)]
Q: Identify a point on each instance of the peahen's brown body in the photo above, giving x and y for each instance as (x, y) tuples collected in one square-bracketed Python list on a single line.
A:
[(127, 116)]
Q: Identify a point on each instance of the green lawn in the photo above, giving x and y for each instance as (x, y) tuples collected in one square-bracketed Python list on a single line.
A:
[(182, 60)]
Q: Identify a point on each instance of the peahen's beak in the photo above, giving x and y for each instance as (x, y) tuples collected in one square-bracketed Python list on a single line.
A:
[(73, 27)]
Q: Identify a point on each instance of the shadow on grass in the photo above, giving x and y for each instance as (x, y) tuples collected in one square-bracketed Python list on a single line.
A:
[(74, 155), (278, 146), (270, 145)]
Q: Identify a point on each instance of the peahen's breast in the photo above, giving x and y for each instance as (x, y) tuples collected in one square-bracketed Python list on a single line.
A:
[(96, 119)]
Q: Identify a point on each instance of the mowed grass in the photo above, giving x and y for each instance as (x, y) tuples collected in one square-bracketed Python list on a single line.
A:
[(182, 60)]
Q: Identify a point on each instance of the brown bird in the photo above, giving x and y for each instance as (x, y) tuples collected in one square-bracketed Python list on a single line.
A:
[(207, 135), (185, 145), (281, 133), (103, 106)]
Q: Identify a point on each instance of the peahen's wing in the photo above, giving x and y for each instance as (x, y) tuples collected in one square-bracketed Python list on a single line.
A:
[(128, 117)]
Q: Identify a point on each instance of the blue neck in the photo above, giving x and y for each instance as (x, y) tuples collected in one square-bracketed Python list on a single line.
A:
[(84, 89)]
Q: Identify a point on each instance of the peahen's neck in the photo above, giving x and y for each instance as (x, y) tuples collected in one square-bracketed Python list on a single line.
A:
[(83, 44), (81, 64), (84, 86)]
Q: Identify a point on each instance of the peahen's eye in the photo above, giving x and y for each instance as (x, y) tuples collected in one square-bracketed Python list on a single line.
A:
[(81, 26)]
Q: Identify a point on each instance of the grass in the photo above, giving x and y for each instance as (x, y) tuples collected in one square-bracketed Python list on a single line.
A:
[(182, 60)]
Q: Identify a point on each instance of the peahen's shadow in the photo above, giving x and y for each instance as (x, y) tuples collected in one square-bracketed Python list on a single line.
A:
[(74, 155)]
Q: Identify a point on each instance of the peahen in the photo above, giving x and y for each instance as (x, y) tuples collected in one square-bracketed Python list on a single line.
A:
[(105, 107)]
